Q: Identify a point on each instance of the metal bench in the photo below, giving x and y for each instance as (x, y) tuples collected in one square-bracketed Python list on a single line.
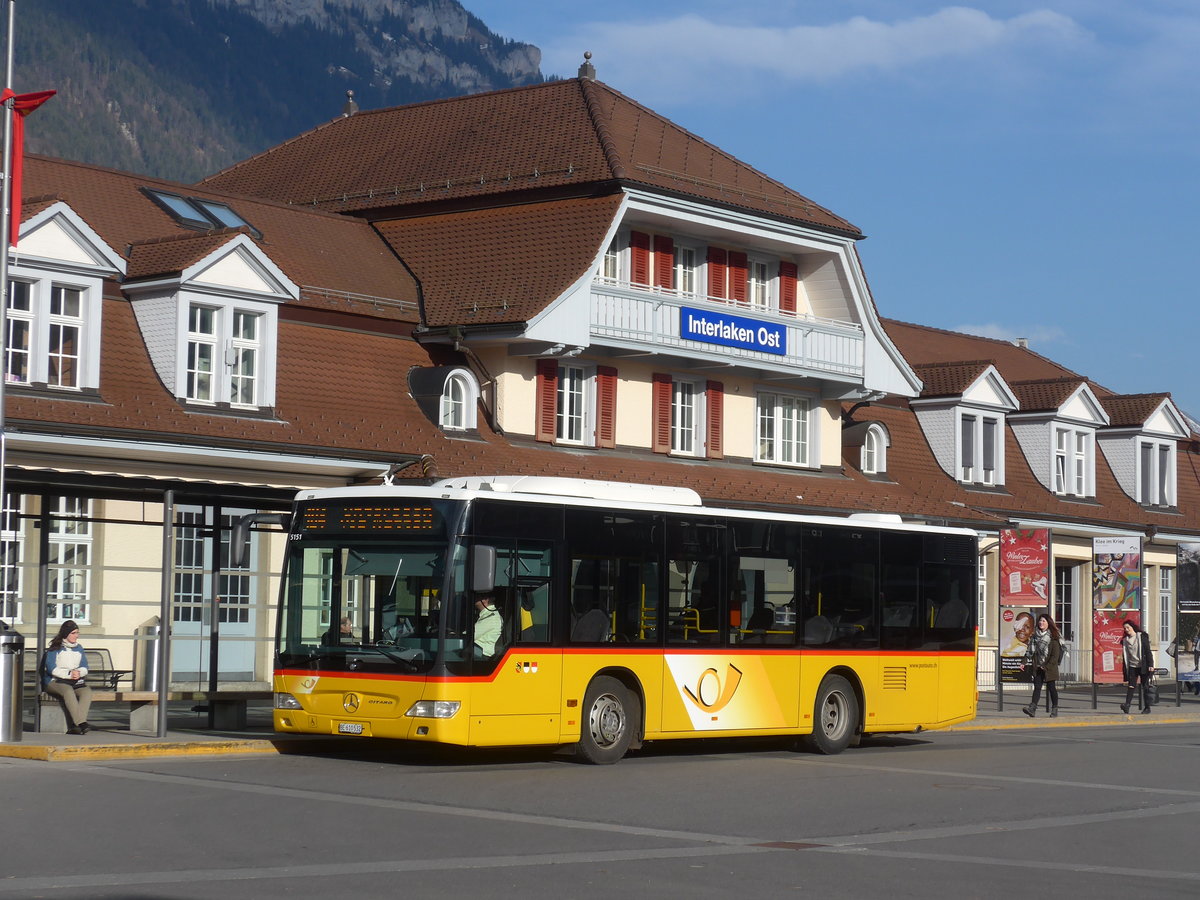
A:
[(229, 707)]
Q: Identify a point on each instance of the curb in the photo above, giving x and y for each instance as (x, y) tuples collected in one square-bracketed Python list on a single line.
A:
[(1124, 720), (58, 753)]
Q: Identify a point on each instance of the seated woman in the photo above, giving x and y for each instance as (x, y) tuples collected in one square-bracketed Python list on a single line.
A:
[(64, 670)]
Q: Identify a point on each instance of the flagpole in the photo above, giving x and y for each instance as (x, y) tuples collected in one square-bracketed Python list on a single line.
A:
[(5, 199)]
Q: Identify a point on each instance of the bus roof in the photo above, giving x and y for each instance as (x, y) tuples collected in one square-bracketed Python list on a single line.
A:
[(585, 492)]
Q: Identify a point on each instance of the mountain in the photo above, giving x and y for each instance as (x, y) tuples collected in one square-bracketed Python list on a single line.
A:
[(182, 88)]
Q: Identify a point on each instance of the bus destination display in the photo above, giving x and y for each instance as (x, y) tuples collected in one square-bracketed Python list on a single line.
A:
[(373, 517)]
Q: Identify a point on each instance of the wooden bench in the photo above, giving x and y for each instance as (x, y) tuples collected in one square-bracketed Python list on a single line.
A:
[(229, 707)]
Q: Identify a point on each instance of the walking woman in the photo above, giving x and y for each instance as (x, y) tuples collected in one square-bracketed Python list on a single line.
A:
[(63, 672), (1044, 654), (1137, 665)]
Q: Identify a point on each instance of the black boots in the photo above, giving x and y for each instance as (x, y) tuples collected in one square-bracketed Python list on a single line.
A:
[(1029, 710)]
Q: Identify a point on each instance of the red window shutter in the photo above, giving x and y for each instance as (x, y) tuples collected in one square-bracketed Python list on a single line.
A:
[(715, 420), (787, 287), (717, 263), (545, 427), (664, 262), (660, 412), (606, 406), (639, 251), (738, 273)]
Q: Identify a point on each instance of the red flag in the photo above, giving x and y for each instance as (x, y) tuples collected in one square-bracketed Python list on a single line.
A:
[(23, 105)]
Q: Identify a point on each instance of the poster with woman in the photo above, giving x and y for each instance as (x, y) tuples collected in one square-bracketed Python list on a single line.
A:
[(1016, 628)]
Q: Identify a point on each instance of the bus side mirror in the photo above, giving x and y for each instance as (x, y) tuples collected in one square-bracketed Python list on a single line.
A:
[(239, 540), (483, 572)]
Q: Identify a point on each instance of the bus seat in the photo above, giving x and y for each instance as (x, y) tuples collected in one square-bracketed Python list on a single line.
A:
[(592, 627), (818, 630), (952, 614)]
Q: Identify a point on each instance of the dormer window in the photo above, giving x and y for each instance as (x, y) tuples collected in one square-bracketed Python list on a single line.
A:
[(224, 354), (1073, 461), (1156, 473), (52, 334), (979, 449), (874, 451), (460, 393)]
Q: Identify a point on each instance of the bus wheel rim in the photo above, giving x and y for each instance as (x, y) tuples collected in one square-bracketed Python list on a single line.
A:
[(833, 714), (606, 720)]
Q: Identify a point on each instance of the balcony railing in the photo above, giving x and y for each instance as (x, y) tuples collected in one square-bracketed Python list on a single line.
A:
[(649, 318)]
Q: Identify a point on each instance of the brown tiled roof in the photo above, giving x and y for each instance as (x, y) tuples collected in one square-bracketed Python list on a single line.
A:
[(311, 247), (571, 135), (949, 379), (923, 345), (1131, 410), (502, 264), (1044, 395), (160, 256)]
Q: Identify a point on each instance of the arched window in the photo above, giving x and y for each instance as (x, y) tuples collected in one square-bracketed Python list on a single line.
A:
[(874, 451), (459, 395)]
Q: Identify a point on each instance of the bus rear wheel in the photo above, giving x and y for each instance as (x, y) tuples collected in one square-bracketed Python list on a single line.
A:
[(835, 716), (611, 713)]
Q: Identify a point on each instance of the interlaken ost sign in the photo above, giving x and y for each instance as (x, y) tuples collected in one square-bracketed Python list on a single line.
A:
[(731, 331)]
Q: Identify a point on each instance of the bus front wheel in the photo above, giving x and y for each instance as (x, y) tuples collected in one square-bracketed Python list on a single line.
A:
[(835, 716), (611, 713)]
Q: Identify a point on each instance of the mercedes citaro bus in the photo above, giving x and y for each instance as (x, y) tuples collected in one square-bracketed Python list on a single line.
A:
[(523, 611)]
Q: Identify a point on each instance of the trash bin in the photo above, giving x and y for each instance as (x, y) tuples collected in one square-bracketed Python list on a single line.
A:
[(12, 684), (147, 651)]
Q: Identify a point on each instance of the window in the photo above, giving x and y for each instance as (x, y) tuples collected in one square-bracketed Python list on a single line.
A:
[(874, 451), (610, 268), (979, 449), (1072, 462), (70, 559), (783, 429), (981, 587), (11, 550), (195, 212), (1156, 473), (1166, 605), (225, 354), (575, 404), (459, 395), (759, 285), (686, 416), (687, 276), (193, 547), (1064, 600), (47, 335)]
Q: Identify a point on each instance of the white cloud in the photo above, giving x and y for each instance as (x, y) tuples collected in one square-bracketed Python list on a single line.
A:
[(685, 44), (1035, 334)]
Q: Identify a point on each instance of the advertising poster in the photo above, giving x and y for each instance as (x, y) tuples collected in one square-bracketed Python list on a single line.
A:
[(1024, 566), (1187, 611), (1117, 573), (1108, 628), (1016, 628)]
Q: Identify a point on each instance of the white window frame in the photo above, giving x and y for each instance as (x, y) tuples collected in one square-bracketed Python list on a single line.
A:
[(760, 283), (229, 350), (689, 274), (71, 556), (1155, 461), (575, 405), (969, 444), (612, 266), (12, 558), (1074, 461), (41, 322), (873, 456), (1166, 603), (779, 435), (981, 596), (460, 396), (687, 417)]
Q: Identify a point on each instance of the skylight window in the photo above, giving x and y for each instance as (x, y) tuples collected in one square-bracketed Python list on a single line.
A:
[(193, 212)]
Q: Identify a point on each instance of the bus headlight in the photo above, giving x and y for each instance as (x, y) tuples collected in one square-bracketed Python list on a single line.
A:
[(433, 709), (286, 701)]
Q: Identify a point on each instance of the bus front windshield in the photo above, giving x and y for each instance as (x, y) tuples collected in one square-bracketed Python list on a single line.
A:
[(366, 604)]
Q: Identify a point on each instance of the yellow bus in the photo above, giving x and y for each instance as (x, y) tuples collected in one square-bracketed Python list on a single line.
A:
[(522, 611)]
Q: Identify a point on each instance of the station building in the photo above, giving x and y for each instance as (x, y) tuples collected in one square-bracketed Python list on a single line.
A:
[(547, 280)]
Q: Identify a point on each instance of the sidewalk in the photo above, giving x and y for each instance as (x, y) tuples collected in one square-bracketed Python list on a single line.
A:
[(1075, 709)]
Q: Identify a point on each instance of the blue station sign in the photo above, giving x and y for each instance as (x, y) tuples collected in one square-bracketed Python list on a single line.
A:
[(731, 331)]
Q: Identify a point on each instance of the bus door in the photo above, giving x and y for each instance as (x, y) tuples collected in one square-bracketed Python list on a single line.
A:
[(516, 675)]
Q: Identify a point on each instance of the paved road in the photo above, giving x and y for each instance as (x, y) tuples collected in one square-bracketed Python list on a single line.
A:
[(1094, 812)]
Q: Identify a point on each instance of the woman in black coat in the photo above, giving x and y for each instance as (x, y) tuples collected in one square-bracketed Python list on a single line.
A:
[(1137, 664)]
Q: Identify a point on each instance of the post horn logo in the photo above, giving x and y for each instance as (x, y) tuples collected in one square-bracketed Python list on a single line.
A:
[(711, 693), (350, 703)]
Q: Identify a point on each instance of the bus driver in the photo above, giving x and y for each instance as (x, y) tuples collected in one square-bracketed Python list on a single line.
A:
[(488, 624)]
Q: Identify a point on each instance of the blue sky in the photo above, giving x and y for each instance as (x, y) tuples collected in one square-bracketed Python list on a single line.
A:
[(1020, 169)]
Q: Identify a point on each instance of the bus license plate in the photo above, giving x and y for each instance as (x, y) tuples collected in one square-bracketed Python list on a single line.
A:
[(350, 728)]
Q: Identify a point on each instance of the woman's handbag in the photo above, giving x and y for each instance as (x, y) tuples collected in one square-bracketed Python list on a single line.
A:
[(1152, 693), (1173, 649)]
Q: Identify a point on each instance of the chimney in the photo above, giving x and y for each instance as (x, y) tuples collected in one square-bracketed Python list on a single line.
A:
[(351, 107), (587, 70), (1023, 343)]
